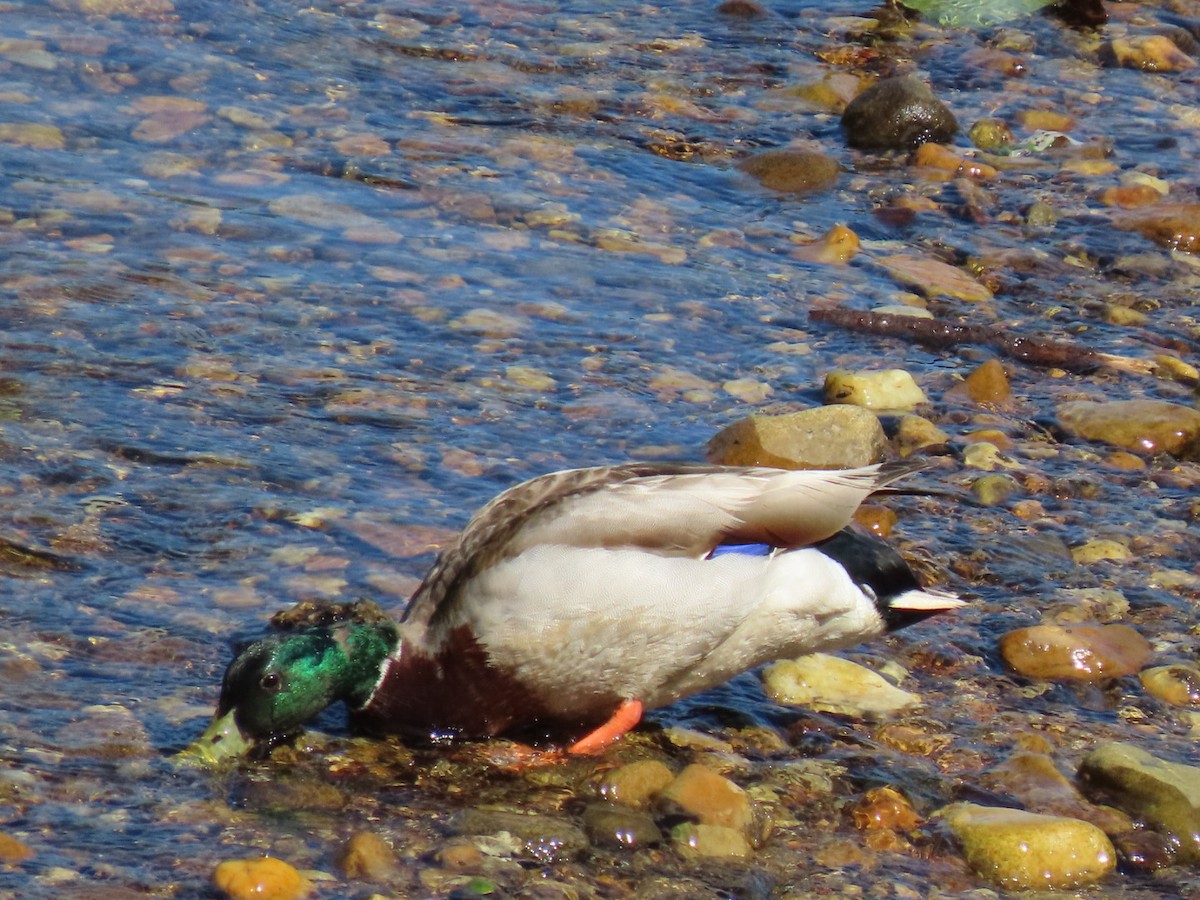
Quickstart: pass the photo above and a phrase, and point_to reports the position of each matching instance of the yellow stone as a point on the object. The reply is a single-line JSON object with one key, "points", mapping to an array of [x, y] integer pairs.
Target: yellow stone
{"points": [[636, 783], [260, 879], [1019, 850]]}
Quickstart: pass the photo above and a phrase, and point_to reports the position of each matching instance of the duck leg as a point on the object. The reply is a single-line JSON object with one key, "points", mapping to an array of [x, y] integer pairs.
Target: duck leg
{"points": [[627, 715]]}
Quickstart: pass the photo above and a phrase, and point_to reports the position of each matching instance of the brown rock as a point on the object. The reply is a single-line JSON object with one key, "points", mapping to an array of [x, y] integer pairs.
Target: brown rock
{"points": [[1149, 52], [792, 171], [1033, 779], [368, 857], [13, 850], [709, 796], [988, 384], [836, 246], [1175, 226], [1080, 652], [1178, 685], [635, 783], [459, 855], [885, 807], [897, 114], [1143, 426]]}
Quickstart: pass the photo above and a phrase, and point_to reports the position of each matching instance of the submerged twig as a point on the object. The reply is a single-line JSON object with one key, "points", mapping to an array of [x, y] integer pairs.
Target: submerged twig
{"points": [[937, 333]]}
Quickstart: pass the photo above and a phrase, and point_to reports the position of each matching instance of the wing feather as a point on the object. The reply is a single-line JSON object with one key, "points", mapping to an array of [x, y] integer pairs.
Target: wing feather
{"points": [[667, 509]]}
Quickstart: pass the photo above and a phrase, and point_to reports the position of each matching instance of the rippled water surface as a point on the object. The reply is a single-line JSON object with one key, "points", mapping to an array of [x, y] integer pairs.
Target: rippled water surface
{"points": [[287, 291]]}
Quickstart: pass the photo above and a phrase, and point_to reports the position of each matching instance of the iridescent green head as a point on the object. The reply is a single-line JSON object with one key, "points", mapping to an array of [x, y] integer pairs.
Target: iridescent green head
{"points": [[279, 683]]}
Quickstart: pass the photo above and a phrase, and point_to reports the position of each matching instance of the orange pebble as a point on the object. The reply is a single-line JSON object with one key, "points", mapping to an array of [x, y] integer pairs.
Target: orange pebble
{"points": [[265, 878]]}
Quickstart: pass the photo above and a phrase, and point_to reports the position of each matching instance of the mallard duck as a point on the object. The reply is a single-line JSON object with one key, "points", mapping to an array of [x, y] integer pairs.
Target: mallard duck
{"points": [[573, 602]]}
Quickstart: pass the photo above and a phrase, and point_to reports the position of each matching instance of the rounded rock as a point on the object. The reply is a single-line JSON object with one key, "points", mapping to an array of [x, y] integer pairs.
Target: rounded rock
{"points": [[264, 878], [368, 857], [713, 841], [827, 683], [897, 114], [1077, 652], [635, 783], [1165, 795], [1020, 850], [792, 171], [616, 826], [1178, 685], [710, 797], [1143, 426]]}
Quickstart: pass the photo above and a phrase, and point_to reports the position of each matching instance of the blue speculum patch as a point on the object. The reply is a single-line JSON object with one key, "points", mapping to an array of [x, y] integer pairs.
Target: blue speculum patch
{"points": [[743, 549]]}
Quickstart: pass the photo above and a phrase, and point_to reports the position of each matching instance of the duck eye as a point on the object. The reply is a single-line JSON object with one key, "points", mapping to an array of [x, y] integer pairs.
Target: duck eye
{"points": [[271, 682]]}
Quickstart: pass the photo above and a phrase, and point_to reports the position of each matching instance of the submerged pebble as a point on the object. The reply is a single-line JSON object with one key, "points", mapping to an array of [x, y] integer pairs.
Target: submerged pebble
{"points": [[1078, 652], [635, 783], [1178, 685], [710, 797], [1023, 851], [611, 825], [1143, 426], [368, 857], [713, 841], [799, 172], [1035, 780]]}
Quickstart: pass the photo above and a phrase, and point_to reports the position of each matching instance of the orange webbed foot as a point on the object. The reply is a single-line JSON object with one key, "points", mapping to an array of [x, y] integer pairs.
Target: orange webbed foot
{"points": [[626, 716]]}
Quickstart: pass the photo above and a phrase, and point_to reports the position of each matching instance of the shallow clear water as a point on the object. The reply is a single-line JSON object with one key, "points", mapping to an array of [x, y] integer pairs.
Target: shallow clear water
{"points": [[287, 292]]}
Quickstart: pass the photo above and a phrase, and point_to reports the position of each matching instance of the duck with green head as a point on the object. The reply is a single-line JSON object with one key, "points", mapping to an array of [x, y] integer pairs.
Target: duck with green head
{"points": [[573, 602]]}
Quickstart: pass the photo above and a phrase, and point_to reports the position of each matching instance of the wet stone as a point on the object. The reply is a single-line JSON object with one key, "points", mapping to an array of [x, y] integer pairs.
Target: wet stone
{"points": [[1165, 795], [616, 826], [1144, 851], [885, 808], [710, 797], [831, 684], [265, 878], [1032, 778], [988, 384], [13, 850], [1143, 426], [544, 837], [882, 389], [897, 114], [835, 247], [1149, 52], [992, 490], [1175, 226], [991, 134], [792, 171], [368, 857], [711, 841], [1098, 550], [1077, 652], [459, 855], [635, 783], [821, 438], [918, 433], [1178, 685], [1018, 850]]}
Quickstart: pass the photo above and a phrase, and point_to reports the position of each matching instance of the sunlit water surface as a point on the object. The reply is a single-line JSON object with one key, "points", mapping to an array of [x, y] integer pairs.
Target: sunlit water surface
{"points": [[287, 291]]}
